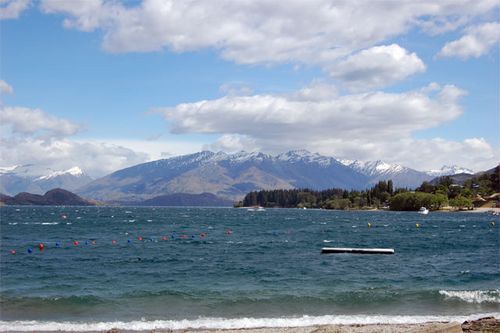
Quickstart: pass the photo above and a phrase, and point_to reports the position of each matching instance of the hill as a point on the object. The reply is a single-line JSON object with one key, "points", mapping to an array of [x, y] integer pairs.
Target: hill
{"points": [[55, 197]]}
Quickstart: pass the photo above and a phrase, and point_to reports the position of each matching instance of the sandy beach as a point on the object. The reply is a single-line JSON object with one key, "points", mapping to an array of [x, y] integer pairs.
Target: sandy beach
{"points": [[487, 325], [477, 325], [484, 210]]}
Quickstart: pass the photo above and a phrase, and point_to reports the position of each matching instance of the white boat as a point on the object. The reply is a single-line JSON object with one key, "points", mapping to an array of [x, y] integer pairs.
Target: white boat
{"points": [[256, 209], [423, 211]]}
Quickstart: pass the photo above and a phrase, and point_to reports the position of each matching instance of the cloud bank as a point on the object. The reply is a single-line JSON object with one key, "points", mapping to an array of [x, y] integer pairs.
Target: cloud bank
{"points": [[259, 31]]}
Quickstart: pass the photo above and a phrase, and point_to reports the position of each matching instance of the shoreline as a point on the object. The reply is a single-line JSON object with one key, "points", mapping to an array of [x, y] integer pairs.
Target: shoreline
{"points": [[456, 324], [428, 327]]}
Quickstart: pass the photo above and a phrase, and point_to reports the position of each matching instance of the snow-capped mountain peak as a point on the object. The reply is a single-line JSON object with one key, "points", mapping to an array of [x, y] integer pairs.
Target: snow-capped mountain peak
{"points": [[372, 168], [449, 170], [74, 171]]}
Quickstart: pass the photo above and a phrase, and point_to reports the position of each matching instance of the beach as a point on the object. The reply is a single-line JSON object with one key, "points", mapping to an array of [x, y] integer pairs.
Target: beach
{"points": [[489, 324]]}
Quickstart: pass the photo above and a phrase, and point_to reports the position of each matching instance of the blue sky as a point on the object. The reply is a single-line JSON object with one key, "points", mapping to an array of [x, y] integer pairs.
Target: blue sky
{"points": [[104, 85]]}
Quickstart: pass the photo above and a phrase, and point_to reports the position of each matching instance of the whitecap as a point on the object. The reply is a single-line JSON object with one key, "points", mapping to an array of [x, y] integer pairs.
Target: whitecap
{"points": [[473, 296]]}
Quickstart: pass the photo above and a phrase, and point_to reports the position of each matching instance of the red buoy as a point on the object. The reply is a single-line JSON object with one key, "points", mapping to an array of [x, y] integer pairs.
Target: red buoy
{"points": [[164, 238], [75, 243], [139, 238], [113, 242], [41, 246], [12, 251]]}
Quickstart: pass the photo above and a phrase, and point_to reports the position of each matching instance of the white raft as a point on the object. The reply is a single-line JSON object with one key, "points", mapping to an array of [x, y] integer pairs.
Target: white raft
{"points": [[356, 250]]}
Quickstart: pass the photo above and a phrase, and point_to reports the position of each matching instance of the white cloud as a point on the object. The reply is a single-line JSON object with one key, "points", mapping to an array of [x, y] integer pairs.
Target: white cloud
{"points": [[372, 116], [420, 154], [35, 122], [377, 67], [233, 143], [11, 9], [476, 41], [86, 13], [259, 31], [95, 158], [156, 149], [5, 88]]}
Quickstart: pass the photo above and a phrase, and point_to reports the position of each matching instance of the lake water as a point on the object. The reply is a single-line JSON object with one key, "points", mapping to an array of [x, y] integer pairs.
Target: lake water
{"points": [[146, 268]]}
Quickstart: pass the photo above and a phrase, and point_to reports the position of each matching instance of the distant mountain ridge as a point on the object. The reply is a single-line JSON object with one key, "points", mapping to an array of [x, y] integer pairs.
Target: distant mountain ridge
{"points": [[185, 199], [30, 178], [228, 176], [449, 170], [379, 170]]}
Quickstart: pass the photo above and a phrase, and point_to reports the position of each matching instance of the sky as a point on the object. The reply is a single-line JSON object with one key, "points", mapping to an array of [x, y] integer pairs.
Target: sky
{"points": [[104, 85]]}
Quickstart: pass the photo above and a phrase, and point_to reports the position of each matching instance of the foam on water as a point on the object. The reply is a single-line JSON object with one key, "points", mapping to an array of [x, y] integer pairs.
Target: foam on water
{"points": [[473, 296], [233, 323]]}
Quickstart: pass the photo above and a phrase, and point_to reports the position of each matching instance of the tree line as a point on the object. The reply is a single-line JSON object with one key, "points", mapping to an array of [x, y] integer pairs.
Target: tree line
{"points": [[382, 195]]}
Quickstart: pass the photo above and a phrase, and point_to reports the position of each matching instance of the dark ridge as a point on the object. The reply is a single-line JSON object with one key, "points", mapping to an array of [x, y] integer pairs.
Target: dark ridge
{"points": [[54, 197], [185, 199]]}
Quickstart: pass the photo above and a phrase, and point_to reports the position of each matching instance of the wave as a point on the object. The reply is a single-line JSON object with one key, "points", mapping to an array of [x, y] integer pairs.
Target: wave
{"points": [[473, 296], [231, 323]]}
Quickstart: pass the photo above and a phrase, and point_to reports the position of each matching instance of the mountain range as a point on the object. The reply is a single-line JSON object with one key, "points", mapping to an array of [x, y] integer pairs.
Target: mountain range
{"points": [[30, 178], [231, 176], [227, 176]]}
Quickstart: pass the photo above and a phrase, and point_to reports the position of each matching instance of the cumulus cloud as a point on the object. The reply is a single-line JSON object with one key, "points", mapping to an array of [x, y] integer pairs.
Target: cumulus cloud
{"points": [[311, 116], [35, 122], [5, 88], [377, 67], [476, 41], [259, 31], [11, 9]]}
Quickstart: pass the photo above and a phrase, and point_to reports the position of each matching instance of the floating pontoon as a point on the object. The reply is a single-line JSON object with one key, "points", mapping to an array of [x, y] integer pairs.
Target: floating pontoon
{"points": [[356, 250]]}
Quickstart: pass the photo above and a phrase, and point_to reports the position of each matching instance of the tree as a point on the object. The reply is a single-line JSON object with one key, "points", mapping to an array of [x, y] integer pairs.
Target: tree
{"points": [[461, 203]]}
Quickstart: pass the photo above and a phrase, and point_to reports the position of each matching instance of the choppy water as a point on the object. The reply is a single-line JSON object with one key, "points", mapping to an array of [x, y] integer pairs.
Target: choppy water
{"points": [[202, 267]]}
